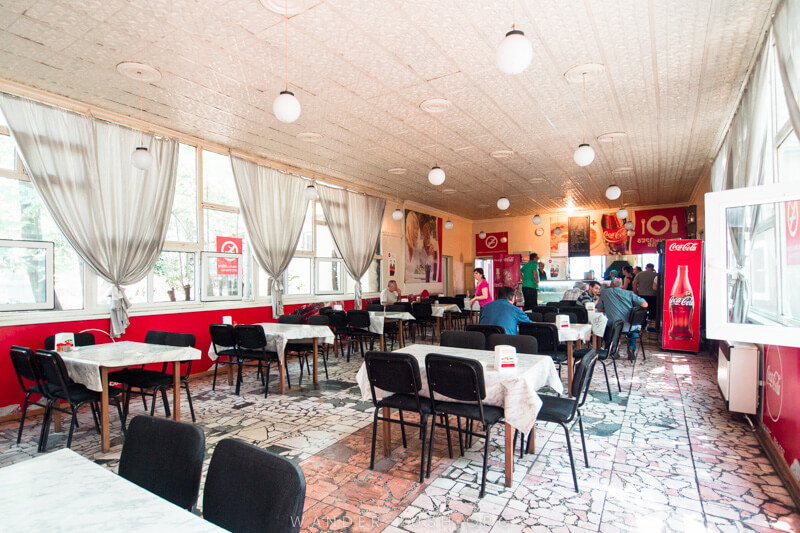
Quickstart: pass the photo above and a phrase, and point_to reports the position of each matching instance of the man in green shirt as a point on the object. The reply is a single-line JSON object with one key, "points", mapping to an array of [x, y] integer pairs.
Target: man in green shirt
{"points": [[530, 281]]}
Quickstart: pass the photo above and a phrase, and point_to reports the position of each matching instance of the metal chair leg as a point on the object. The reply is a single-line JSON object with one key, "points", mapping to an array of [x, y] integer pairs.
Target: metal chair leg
{"points": [[22, 419], [571, 458]]}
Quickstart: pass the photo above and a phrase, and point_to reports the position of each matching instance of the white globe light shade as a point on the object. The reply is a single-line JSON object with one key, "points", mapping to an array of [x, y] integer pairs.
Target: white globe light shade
{"points": [[613, 192], [584, 155], [629, 225], [448, 224], [537, 219], [514, 53], [631, 233], [310, 193], [503, 240], [622, 213], [436, 176], [286, 107], [482, 235], [503, 203], [397, 214], [557, 231], [141, 158]]}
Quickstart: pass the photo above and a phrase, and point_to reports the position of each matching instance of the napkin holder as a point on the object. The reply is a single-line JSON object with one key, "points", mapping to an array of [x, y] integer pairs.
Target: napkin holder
{"points": [[590, 306], [562, 321], [505, 357], [64, 342], [227, 319]]}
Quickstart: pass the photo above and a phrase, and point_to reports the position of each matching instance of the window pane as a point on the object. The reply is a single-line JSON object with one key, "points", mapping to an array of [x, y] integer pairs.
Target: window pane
{"points": [[136, 293], [24, 216], [183, 222], [789, 159], [221, 224], [218, 184], [222, 278], [173, 277], [306, 241], [23, 275], [325, 245], [298, 276], [264, 283], [370, 281], [329, 276], [7, 152], [319, 216]]}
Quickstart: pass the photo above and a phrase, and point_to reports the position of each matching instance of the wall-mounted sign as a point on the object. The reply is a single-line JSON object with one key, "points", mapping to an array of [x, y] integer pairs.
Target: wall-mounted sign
{"points": [[579, 235], [228, 245], [493, 244], [655, 225]]}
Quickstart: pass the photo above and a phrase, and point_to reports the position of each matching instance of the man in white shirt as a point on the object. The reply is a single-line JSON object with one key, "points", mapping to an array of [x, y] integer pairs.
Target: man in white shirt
{"points": [[390, 294]]}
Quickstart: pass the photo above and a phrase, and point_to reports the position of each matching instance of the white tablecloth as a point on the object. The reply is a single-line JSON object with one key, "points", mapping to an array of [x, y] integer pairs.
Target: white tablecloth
{"points": [[378, 318], [598, 321], [83, 363], [512, 389], [62, 491], [278, 335], [440, 309], [475, 307], [575, 332]]}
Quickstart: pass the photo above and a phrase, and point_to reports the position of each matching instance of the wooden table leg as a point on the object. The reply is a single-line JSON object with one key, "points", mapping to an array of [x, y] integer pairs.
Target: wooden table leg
{"points": [[400, 327], [282, 375], [383, 343], [509, 454], [230, 372], [570, 345], [176, 390], [316, 355], [104, 410], [387, 433], [57, 426]]}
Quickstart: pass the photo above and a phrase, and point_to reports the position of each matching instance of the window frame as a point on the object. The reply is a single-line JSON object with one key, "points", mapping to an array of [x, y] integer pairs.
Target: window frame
{"points": [[49, 284]]}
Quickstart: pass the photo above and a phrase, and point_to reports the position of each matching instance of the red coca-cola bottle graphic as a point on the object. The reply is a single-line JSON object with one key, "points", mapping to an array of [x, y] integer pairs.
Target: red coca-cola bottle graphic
{"points": [[681, 306], [615, 234]]}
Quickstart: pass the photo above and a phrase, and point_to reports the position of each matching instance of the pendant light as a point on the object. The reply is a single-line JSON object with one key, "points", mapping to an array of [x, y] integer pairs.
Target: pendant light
{"points": [[141, 158], [584, 155], [515, 51], [448, 225], [613, 192], [311, 192], [557, 231], [503, 203], [629, 225], [482, 235], [537, 219], [397, 214], [436, 176], [622, 213], [286, 106]]}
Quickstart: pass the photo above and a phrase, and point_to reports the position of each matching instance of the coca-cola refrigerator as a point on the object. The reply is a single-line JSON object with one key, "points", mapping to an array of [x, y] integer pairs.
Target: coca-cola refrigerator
{"points": [[681, 294]]}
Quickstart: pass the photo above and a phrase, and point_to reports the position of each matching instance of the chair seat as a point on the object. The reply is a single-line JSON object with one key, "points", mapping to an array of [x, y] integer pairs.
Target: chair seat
{"points": [[144, 379], [299, 346], [602, 355], [556, 409], [468, 410], [80, 394], [558, 357], [355, 332], [258, 354], [406, 402], [229, 352]]}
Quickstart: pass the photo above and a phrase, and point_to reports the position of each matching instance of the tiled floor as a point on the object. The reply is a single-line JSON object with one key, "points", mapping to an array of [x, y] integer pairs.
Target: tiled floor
{"points": [[664, 455]]}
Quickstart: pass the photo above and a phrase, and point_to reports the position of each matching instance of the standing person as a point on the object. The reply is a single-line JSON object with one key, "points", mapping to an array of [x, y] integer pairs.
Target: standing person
{"points": [[530, 281], [542, 273], [617, 304], [502, 312], [644, 286], [627, 278], [390, 294], [482, 293]]}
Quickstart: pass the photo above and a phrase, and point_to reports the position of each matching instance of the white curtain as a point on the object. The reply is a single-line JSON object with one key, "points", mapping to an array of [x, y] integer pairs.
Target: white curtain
{"points": [[113, 215], [274, 209], [786, 30], [355, 222]]}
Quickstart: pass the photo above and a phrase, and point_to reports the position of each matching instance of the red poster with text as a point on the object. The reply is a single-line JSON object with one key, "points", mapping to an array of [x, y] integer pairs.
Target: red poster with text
{"points": [[683, 294], [493, 244], [781, 416], [655, 225], [228, 245], [793, 233]]}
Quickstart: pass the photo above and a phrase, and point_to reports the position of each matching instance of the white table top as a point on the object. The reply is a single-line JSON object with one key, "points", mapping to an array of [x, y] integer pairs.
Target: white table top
{"points": [[598, 321], [62, 491], [441, 309], [378, 318], [575, 332], [278, 335], [512, 389], [83, 363]]}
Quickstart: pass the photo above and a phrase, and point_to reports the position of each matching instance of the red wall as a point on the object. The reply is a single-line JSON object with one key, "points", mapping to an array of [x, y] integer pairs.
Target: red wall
{"points": [[33, 335], [781, 409]]}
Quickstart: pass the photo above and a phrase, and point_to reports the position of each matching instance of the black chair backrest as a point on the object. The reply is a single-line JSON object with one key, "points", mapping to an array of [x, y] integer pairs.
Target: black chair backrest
{"points": [[535, 317], [338, 319], [486, 329], [542, 309], [325, 310], [397, 373], [461, 296], [471, 340], [426, 300], [611, 335], [523, 343], [165, 457], [52, 371], [549, 317], [22, 359], [552, 304], [403, 307], [290, 319], [252, 490], [373, 307], [169, 338], [318, 320], [581, 315], [458, 378], [222, 335], [81, 339], [358, 319], [583, 377], [546, 335], [422, 310], [448, 300], [638, 317], [250, 336], [398, 308]]}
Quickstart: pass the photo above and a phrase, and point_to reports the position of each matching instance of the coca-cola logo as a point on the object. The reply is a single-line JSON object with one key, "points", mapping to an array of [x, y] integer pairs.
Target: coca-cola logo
{"points": [[616, 235], [686, 301], [773, 374], [683, 246]]}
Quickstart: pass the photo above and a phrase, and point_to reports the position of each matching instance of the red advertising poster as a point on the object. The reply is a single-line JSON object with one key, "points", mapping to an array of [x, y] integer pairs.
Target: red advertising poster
{"points": [[793, 233], [781, 415], [683, 293], [228, 245], [654, 225], [494, 244], [506, 273]]}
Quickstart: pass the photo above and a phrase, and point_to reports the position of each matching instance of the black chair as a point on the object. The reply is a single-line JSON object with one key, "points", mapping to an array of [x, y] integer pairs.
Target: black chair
{"points": [[81, 339], [397, 374], [542, 309], [546, 336], [373, 307], [325, 310], [404, 307], [305, 347], [487, 330], [358, 330], [29, 382], [460, 317], [165, 457], [423, 316], [57, 385], [581, 314], [252, 344], [638, 317], [562, 410], [471, 340], [523, 343], [341, 331], [460, 379], [550, 318], [535, 316], [223, 340], [157, 381], [290, 319], [611, 351], [250, 490], [552, 304]]}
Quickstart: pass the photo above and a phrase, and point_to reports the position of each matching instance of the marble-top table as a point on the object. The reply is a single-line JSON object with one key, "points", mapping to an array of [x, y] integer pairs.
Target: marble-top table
{"points": [[63, 491], [377, 319]]}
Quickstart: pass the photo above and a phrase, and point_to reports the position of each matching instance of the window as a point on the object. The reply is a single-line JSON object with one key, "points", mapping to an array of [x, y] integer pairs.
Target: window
{"points": [[26, 275], [330, 274], [222, 276], [136, 293], [370, 281], [298, 276], [174, 277], [183, 222], [579, 266], [218, 183]]}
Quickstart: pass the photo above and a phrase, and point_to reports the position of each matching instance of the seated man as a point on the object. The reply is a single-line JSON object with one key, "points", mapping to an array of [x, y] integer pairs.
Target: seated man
{"points": [[592, 294], [574, 293], [390, 294], [617, 304], [502, 312]]}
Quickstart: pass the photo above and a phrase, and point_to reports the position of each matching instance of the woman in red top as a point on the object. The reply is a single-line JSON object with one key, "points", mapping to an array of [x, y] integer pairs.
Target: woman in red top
{"points": [[482, 293]]}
